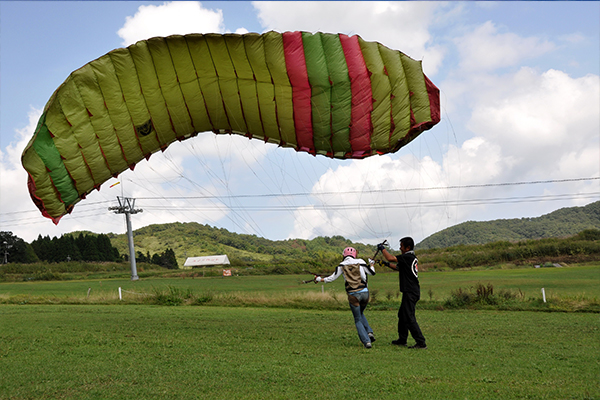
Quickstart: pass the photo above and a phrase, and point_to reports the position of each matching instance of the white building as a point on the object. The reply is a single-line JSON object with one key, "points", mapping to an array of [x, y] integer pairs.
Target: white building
{"points": [[206, 261]]}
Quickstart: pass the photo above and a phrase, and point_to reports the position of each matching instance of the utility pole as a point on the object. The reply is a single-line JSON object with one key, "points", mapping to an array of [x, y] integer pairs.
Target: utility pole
{"points": [[127, 206], [6, 253]]}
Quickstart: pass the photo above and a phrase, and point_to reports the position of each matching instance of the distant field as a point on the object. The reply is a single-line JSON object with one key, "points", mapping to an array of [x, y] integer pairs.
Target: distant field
{"points": [[152, 352], [581, 280]]}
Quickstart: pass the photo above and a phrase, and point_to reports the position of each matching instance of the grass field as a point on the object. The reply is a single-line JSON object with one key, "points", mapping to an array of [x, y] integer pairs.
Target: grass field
{"points": [[570, 282], [113, 349], [151, 352]]}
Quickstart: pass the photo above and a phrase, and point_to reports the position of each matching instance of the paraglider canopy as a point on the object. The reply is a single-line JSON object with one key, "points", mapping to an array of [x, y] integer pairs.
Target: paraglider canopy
{"points": [[326, 94]]}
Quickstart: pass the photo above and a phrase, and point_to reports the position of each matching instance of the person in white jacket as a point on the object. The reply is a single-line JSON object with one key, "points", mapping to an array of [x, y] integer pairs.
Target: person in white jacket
{"points": [[355, 271]]}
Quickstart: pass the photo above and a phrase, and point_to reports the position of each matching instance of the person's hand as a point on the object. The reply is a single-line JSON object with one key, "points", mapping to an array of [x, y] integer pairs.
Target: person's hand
{"points": [[381, 262], [318, 279], [380, 247], [371, 262]]}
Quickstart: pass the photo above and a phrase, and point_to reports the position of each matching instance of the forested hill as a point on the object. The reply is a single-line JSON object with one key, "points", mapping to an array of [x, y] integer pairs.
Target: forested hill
{"points": [[193, 240], [559, 223]]}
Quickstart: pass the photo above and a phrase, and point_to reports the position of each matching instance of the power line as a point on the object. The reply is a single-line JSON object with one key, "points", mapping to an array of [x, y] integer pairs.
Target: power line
{"points": [[18, 215], [372, 206], [373, 191]]}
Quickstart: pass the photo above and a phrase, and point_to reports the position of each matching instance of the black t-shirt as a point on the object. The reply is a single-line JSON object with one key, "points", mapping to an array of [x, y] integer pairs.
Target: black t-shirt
{"points": [[408, 270]]}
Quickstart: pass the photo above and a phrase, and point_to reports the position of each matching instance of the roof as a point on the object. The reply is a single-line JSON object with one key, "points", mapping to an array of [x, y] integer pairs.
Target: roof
{"points": [[206, 260]]}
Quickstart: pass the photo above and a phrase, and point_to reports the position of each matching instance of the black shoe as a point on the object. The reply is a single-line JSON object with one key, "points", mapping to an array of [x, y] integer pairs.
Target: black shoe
{"points": [[398, 342], [418, 346], [368, 345], [372, 337]]}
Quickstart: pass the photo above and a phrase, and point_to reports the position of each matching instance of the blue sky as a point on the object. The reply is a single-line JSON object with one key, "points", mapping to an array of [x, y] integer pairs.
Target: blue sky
{"points": [[520, 103]]}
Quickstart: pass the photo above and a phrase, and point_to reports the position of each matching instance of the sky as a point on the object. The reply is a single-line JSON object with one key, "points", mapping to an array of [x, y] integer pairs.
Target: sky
{"points": [[519, 135]]}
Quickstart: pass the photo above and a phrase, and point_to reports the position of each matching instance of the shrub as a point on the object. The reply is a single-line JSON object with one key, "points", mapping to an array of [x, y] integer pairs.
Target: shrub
{"points": [[392, 294], [171, 297], [203, 298], [588, 234], [459, 298], [484, 293], [479, 294], [373, 295]]}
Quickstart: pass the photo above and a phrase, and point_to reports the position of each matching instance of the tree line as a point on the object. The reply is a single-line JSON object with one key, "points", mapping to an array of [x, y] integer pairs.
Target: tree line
{"points": [[166, 259], [82, 247], [72, 247]]}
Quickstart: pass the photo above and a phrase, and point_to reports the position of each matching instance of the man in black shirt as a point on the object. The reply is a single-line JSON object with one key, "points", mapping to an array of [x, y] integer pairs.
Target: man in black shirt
{"points": [[407, 266]]}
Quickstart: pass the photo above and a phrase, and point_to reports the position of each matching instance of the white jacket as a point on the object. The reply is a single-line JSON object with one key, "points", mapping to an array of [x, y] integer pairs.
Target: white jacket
{"points": [[355, 271]]}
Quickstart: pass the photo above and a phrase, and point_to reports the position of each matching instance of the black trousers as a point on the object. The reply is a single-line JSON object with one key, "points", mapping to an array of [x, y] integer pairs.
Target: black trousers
{"points": [[407, 322]]}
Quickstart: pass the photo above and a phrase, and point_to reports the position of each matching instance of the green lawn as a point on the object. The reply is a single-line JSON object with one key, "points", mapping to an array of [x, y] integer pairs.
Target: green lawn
{"points": [[568, 281], [123, 350], [153, 352], [577, 281]]}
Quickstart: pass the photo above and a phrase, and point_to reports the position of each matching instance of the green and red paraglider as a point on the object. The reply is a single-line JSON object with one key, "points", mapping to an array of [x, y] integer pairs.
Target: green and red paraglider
{"points": [[326, 94]]}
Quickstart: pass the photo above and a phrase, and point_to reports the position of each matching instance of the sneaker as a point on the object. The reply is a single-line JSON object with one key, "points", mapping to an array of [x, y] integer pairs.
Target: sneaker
{"points": [[418, 346], [368, 345], [372, 337], [398, 342]]}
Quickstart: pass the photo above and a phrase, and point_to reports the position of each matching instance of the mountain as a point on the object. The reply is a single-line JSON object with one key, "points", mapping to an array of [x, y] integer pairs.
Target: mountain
{"points": [[193, 240], [559, 223]]}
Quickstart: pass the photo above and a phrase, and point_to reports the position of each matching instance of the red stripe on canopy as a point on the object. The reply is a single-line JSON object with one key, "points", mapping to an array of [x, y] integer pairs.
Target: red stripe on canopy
{"points": [[301, 91], [362, 97], [434, 107], [434, 101]]}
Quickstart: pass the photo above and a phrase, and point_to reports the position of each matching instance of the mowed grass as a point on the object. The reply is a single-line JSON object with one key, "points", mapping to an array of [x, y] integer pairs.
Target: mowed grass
{"points": [[122, 350], [583, 281], [154, 352]]}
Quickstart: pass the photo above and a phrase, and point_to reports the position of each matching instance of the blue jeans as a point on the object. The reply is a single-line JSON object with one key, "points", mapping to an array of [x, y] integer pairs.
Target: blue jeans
{"points": [[358, 303]]}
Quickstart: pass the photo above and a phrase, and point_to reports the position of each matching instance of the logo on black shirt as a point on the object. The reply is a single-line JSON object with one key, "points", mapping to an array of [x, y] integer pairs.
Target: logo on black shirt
{"points": [[415, 268]]}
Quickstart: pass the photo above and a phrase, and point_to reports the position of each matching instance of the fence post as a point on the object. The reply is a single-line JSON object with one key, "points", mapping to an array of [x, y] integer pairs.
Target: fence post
{"points": [[544, 294], [120, 295]]}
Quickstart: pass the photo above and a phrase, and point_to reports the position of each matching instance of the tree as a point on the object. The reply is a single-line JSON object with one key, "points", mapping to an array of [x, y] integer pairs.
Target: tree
{"points": [[71, 248], [156, 259], [141, 257], [88, 247], [106, 251], [169, 259], [41, 246], [166, 259], [16, 249], [67, 249]]}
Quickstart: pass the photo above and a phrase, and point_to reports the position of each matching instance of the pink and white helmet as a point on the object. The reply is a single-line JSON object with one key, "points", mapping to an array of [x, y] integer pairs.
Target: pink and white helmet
{"points": [[349, 251]]}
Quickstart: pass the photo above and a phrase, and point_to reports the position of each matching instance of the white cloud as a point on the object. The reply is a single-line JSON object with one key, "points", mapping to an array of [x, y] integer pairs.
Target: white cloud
{"points": [[488, 49], [365, 208], [169, 19], [15, 201], [11, 159], [542, 118], [399, 25], [539, 126], [14, 177], [573, 38]]}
